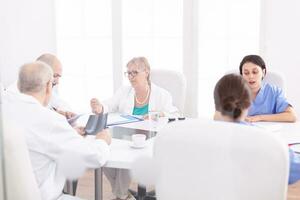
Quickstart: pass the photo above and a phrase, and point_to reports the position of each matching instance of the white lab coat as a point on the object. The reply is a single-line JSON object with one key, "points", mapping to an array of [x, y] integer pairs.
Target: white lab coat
{"points": [[49, 136], [123, 101], [57, 102]]}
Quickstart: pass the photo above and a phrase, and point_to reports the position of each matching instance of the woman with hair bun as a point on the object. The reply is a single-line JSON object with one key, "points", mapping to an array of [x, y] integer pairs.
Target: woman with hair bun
{"points": [[232, 97]]}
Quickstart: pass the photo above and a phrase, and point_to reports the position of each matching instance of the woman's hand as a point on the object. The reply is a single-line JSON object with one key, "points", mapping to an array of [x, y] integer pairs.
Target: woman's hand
{"points": [[255, 118], [96, 106], [153, 115]]}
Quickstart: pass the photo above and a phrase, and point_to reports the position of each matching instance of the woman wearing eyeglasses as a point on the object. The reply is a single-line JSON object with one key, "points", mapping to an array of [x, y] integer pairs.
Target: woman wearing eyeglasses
{"points": [[139, 98], [232, 96], [268, 101]]}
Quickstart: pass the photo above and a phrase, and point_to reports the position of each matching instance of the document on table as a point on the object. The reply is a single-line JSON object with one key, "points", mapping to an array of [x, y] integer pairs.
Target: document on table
{"points": [[272, 127], [117, 119]]}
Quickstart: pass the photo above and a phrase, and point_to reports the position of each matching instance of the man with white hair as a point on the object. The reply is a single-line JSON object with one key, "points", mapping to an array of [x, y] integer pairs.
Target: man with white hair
{"points": [[49, 137]]}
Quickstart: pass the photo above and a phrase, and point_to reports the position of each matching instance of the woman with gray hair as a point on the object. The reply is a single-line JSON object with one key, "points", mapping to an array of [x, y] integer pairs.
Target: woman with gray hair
{"points": [[139, 98]]}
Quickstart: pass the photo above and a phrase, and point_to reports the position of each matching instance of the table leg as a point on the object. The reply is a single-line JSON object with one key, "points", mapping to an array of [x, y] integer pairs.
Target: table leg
{"points": [[98, 184], [68, 188]]}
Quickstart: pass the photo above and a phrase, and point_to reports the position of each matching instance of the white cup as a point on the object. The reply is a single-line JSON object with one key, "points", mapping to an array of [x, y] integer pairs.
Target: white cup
{"points": [[138, 140]]}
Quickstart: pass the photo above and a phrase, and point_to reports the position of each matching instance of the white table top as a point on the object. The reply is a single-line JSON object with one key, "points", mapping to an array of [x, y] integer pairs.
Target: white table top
{"points": [[122, 155], [290, 132]]}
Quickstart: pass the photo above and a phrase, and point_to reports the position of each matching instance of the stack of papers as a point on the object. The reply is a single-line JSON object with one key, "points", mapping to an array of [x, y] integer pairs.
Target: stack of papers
{"points": [[117, 119], [272, 127]]}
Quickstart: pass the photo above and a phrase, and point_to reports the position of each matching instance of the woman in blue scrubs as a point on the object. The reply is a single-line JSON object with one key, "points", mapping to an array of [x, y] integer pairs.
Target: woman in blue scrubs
{"points": [[232, 97], [268, 101]]}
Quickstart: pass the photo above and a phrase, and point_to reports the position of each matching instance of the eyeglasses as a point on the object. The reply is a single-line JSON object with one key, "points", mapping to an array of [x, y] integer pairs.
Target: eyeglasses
{"points": [[131, 73]]}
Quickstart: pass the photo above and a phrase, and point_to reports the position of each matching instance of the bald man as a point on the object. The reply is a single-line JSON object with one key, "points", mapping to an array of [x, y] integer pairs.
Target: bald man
{"points": [[48, 135], [56, 103]]}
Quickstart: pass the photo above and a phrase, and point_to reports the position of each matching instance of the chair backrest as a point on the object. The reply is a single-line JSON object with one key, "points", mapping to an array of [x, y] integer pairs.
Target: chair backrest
{"points": [[174, 82], [272, 77], [197, 159], [20, 182], [275, 78]]}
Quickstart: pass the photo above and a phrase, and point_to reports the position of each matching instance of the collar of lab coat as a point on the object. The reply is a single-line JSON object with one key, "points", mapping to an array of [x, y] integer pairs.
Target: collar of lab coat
{"points": [[28, 99]]}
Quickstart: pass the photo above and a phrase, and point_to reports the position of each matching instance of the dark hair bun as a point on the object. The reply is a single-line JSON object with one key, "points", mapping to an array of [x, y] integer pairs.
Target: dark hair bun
{"points": [[230, 107], [228, 104], [232, 95], [237, 113]]}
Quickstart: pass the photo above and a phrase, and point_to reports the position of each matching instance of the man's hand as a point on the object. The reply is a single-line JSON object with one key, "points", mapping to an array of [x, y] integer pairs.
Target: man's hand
{"points": [[104, 135], [67, 114], [80, 130], [96, 106]]}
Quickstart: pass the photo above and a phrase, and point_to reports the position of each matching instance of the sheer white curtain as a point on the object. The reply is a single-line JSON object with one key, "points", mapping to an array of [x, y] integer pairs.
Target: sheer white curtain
{"points": [[2, 171], [201, 38], [84, 45], [96, 38], [153, 29], [228, 30]]}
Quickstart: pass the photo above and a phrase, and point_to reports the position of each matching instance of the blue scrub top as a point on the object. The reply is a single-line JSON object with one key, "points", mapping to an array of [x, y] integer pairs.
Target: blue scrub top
{"points": [[294, 167], [269, 100]]}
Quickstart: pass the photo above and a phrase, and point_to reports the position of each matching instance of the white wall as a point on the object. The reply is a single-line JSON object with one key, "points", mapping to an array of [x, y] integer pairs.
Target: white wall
{"points": [[27, 29], [280, 43]]}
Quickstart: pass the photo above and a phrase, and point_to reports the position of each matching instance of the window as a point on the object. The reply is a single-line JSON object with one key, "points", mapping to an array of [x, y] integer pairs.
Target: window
{"points": [[228, 30], [153, 29], [88, 48], [96, 39], [84, 46]]}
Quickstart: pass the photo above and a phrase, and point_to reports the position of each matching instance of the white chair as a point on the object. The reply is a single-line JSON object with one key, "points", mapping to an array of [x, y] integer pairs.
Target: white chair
{"points": [[20, 182], [1, 87], [174, 82], [272, 77], [275, 78], [209, 160]]}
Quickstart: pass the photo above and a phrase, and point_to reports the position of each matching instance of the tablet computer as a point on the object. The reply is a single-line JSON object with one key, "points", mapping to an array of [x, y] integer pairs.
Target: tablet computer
{"points": [[126, 133]]}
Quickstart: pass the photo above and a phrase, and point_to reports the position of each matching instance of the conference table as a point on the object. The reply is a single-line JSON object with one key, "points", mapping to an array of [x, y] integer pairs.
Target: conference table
{"points": [[122, 155]]}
